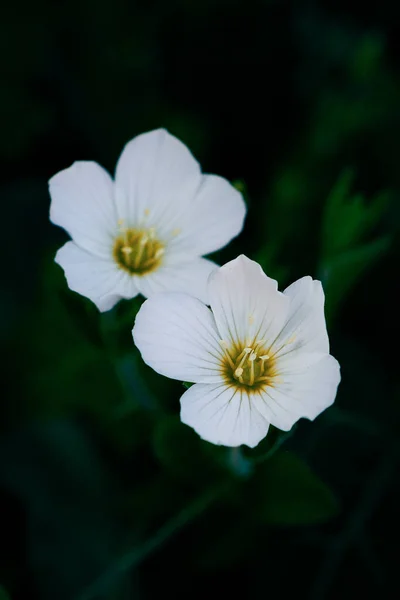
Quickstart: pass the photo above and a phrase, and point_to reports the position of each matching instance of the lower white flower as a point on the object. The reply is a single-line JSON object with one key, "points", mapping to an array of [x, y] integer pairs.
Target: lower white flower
{"points": [[258, 357], [147, 230]]}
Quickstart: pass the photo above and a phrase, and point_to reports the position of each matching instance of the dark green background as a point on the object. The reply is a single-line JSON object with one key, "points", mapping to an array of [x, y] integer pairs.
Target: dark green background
{"points": [[298, 103]]}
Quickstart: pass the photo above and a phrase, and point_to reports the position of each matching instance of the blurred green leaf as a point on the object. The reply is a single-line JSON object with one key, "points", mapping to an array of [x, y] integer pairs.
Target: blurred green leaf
{"points": [[348, 218], [187, 384], [333, 208], [226, 540], [3, 594], [367, 58], [54, 470], [339, 274], [267, 258], [291, 494], [84, 314], [185, 454], [145, 501]]}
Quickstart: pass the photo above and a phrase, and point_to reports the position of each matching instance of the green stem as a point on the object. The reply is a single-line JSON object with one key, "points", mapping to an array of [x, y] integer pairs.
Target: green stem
{"points": [[283, 438]]}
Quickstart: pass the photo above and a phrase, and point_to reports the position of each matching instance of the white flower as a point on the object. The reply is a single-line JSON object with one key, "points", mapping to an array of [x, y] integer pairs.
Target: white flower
{"points": [[258, 357], [146, 231]]}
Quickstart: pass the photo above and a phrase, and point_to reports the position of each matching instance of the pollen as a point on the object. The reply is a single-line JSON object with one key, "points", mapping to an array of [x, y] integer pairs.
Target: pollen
{"points": [[138, 251], [249, 366]]}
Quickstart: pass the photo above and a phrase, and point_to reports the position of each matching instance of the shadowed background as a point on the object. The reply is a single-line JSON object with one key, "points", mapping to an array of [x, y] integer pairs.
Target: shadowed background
{"points": [[103, 493]]}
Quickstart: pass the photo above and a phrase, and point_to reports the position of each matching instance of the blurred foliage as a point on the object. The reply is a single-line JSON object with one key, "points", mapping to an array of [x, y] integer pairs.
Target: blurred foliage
{"points": [[346, 222], [104, 493]]}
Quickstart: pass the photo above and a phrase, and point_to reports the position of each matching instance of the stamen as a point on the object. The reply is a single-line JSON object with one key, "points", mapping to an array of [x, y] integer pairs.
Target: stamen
{"points": [[242, 356], [137, 251], [252, 368], [263, 359], [248, 366], [159, 252], [224, 345]]}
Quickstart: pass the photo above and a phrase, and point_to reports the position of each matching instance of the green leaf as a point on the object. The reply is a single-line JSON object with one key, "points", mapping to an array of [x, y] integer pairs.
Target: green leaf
{"points": [[226, 540], [349, 218], [180, 450], [339, 274], [367, 58], [291, 494], [56, 472], [84, 314], [3, 594], [267, 258]]}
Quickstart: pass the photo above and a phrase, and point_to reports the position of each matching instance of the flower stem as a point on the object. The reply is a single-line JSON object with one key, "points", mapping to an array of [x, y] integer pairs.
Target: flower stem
{"points": [[283, 438]]}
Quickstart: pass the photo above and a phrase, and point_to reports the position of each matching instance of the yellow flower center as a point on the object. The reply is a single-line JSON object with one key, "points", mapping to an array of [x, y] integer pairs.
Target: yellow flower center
{"points": [[138, 251], [248, 366]]}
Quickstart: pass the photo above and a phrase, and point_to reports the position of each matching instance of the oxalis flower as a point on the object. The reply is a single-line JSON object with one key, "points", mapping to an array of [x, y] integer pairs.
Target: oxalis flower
{"points": [[146, 231], [257, 357]]}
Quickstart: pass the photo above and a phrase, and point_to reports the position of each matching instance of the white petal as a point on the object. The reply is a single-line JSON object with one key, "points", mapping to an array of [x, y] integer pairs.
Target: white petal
{"points": [[223, 415], [189, 277], [99, 280], [82, 203], [305, 327], [303, 391], [245, 302], [177, 337], [214, 216], [156, 175]]}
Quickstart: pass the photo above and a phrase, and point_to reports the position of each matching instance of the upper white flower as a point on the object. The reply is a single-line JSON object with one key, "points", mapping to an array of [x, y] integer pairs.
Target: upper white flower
{"points": [[146, 231], [258, 357]]}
